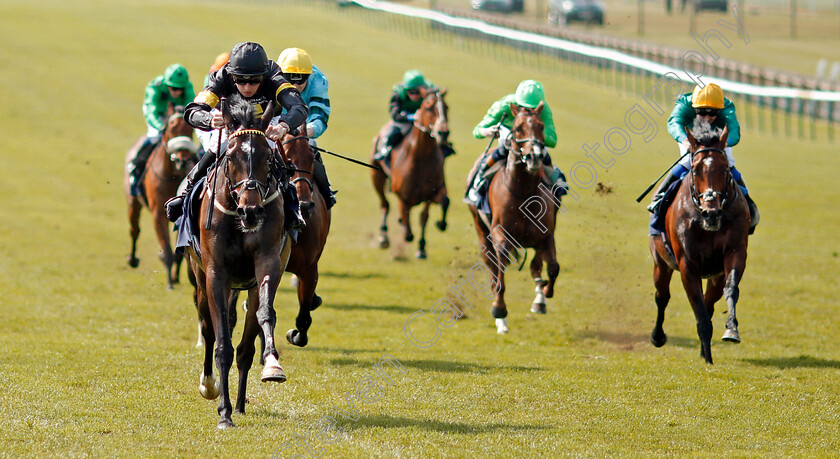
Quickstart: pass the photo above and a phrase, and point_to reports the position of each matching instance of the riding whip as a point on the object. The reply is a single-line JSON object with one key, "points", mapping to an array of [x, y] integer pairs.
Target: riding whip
{"points": [[647, 190], [216, 170], [350, 159]]}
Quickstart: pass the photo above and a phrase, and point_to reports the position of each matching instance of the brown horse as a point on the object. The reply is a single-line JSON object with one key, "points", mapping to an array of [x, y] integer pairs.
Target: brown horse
{"points": [[307, 250], [511, 189], [706, 229], [164, 171], [245, 247], [417, 169]]}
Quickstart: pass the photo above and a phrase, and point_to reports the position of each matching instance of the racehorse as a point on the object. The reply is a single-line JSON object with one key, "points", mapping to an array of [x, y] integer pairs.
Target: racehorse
{"points": [[164, 171], [705, 237], [416, 170], [509, 228], [245, 247], [307, 250]]}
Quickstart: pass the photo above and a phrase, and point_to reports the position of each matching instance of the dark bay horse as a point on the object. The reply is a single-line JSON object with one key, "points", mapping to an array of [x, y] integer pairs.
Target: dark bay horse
{"points": [[164, 171], [706, 229], [245, 247], [307, 250], [509, 228], [416, 171]]}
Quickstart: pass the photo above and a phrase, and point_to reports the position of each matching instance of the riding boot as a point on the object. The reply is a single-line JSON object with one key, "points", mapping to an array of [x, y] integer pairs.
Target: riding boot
{"points": [[291, 209], [660, 193], [477, 181], [556, 180], [754, 216], [319, 174], [175, 204], [138, 164], [383, 154]]}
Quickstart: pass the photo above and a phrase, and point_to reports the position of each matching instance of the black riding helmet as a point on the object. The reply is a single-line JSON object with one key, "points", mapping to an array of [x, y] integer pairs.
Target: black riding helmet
{"points": [[247, 59]]}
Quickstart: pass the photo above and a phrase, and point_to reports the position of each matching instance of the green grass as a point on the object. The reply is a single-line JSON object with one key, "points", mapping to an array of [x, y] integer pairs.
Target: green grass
{"points": [[98, 359]]}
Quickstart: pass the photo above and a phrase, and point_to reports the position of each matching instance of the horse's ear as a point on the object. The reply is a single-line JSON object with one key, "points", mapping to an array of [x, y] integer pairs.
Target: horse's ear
{"points": [[724, 136], [691, 140], [514, 109], [539, 108], [442, 92], [267, 115]]}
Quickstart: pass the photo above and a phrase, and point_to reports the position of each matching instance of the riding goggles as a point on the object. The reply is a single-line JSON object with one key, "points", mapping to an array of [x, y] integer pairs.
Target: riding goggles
{"points": [[706, 111], [412, 92], [297, 78], [257, 79]]}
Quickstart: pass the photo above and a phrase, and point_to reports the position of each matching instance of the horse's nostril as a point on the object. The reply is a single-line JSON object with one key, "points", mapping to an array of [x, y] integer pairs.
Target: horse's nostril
{"points": [[260, 212]]}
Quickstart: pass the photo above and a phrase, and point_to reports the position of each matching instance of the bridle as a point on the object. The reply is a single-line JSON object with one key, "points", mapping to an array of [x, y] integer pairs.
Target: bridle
{"points": [[435, 128], [249, 183], [294, 168], [710, 194], [516, 145]]}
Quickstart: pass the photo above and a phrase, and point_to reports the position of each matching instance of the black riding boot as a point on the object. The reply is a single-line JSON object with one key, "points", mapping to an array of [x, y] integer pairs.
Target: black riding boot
{"points": [[175, 205], [138, 164], [319, 175], [660, 193], [754, 216]]}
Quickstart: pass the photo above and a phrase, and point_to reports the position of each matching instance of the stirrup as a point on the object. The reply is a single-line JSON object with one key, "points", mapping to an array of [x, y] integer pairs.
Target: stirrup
{"points": [[653, 207], [174, 208]]}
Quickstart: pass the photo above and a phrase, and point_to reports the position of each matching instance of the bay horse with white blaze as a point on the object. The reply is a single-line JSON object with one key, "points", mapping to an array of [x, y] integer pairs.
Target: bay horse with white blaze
{"points": [[416, 170], [168, 164], [508, 228], [245, 247], [706, 233]]}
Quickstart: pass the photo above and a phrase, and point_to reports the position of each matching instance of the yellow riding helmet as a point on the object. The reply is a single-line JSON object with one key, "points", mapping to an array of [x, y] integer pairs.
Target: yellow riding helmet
{"points": [[295, 60], [709, 96]]}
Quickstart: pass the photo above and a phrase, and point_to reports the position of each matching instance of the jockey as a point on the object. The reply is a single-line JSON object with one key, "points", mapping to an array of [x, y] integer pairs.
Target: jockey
{"points": [[312, 84], [173, 86], [258, 80], [706, 102], [406, 99], [528, 94], [220, 62]]}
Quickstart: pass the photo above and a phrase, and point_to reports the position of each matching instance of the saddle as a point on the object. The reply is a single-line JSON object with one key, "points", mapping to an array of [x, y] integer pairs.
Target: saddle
{"points": [[187, 224]]}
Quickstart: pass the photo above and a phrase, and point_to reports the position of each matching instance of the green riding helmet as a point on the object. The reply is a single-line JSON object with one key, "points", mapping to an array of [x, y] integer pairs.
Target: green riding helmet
{"points": [[413, 79], [176, 76], [529, 94]]}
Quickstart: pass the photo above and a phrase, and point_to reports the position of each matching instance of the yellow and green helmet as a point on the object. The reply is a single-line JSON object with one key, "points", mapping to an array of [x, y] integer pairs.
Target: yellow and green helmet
{"points": [[529, 94], [176, 76]]}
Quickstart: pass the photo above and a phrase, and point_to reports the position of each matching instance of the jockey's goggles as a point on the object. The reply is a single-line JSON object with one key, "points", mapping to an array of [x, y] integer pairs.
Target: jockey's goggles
{"points": [[297, 78], [413, 92], [706, 111], [256, 79]]}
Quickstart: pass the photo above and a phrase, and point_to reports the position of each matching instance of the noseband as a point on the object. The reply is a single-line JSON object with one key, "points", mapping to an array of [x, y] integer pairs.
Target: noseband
{"points": [[710, 195]]}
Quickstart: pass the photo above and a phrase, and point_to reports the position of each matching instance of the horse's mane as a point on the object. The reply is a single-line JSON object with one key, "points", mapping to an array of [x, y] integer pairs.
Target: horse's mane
{"points": [[241, 112], [705, 133]]}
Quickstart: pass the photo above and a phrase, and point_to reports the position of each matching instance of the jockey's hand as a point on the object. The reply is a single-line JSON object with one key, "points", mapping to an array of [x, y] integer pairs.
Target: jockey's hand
{"points": [[685, 145], [218, 120], [489, 131], [277, 131], [309, 131]]}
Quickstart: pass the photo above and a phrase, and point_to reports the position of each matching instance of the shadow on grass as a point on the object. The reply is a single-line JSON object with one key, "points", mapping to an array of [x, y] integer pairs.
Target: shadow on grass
{"points": [[350, 275], [437, 426], [629, 341], [439, 365], [342, 350], [373, 307], [802, 361]]}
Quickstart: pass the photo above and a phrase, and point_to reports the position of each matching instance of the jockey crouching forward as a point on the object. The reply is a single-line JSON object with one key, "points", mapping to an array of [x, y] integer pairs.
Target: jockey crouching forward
{"points": [[709, 103], [499, 120], [313, 86], [257, 80], [406, 99], [172, 87]]}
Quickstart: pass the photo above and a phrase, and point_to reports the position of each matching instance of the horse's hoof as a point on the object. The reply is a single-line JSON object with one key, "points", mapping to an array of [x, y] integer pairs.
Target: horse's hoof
{"points": [[170, 287], [658, 341], [208, 387], [501, 326], [297, 338], [225, 424], [409, 237], [441, 225], [294, 281], [538, 308], [383, 242], [316, 301], [133, 261], [731, 336], [273, 373], [421, 255]]}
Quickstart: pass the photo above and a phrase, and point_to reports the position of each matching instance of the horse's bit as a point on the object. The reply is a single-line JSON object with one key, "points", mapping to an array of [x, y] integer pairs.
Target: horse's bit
{"points": [[710, 195]]}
